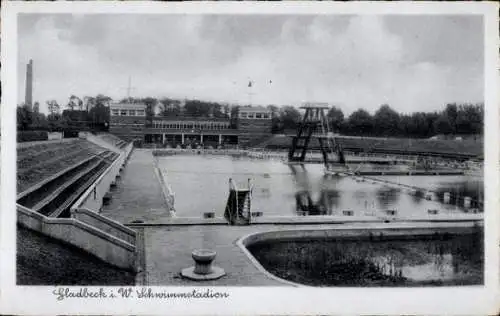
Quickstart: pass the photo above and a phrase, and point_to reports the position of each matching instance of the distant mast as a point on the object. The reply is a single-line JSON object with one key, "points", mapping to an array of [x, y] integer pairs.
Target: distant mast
{"points": [[28, 98], [250, 93], [129, 88]]}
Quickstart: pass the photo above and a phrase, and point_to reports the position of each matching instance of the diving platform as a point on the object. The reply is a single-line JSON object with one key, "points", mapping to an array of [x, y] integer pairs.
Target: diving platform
{"points": [[238, 206], [315, 124]]}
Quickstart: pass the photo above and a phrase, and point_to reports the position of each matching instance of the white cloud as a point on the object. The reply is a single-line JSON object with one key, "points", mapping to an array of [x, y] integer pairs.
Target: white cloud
{"points": [[351, 61]]}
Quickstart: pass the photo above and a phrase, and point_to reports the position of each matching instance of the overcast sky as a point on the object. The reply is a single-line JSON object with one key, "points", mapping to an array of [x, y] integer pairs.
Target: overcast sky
{"points": [[409, 62]]}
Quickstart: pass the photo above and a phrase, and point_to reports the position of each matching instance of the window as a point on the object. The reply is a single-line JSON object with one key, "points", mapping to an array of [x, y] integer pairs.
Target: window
{"points": [[243, 115], [115, 112], [131, 112], [250, 115], [258, 115], [140, 113], [123, 113], [266, 115]]}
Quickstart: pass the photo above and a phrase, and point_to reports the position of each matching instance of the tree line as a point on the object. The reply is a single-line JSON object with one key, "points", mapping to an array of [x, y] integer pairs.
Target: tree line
{"points": [[455, 119], [93, 112], [88, 113]]}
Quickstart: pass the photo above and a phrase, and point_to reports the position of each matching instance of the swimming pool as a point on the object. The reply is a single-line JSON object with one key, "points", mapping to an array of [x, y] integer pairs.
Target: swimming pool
{"points": [[200, 184]]}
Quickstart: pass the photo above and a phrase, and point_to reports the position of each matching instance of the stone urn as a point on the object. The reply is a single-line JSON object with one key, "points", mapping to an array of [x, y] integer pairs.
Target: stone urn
{"points": [[203, 269], [203, 259]]}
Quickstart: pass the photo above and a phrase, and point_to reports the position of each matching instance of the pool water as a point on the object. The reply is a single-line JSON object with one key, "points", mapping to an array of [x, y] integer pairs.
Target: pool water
{"points": [[200, 184], [433, 261]]}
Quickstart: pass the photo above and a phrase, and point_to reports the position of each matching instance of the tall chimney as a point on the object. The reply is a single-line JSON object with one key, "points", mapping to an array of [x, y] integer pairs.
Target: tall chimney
{"points": [[28, 100]]}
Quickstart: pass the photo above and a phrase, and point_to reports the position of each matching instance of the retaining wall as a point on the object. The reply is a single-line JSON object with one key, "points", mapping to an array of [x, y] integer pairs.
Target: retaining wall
{"points": [[101, 142], [105, 224], [72, 231]]}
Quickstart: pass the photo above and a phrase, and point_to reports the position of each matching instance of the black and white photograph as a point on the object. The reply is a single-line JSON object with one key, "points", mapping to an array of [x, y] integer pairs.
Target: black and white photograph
{"points": [[257, 151]]}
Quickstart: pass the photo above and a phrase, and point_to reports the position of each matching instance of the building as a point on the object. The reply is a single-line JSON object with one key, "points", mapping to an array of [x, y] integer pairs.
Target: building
{"points": [[194, 131], [129, 122], [254, 123]]}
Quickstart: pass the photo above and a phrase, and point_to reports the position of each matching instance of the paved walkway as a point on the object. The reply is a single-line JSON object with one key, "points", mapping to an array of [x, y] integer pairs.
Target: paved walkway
{"points": [[168, 248], [138, 195], [168, 251]]}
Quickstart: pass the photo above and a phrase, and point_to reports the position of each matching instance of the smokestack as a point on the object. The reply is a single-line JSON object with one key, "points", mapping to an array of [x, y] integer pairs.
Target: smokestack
{"points": [[28, 100]]}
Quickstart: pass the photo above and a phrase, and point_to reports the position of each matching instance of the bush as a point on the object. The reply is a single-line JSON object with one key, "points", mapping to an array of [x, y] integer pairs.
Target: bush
{"points": [[31, 136]]}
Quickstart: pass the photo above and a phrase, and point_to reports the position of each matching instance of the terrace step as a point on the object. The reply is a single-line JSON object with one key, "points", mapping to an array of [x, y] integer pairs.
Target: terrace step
{"points": [[38, 185], [74, 191], [51, 153], [65, 185]]}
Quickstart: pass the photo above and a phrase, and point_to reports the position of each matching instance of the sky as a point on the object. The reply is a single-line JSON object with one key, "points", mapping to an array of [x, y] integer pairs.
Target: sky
{"points": [[413, 63]]}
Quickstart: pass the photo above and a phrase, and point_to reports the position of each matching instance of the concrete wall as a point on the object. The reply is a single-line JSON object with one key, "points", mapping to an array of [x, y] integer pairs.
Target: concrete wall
{"points": [[168, 194], [101, 142], [105, 224], [55, 136], [88, 238], [93, 197], [382, 232]]}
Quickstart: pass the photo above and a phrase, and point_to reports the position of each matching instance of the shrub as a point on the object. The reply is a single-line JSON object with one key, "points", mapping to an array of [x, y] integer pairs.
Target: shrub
{"points": [[31, 136]]}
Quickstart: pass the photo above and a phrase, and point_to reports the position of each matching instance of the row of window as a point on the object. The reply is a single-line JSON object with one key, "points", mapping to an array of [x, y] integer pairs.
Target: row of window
{"points": [[197, 125], [125, 124], [118, 112], [255, 115]]}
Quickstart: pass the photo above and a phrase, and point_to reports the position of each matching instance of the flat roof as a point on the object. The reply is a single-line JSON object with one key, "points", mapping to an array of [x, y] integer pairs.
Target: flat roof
{"points": [[257, 108], [131, 106], [191, 118]]}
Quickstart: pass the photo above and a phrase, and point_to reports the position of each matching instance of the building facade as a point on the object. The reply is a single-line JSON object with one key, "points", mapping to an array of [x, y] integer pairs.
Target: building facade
{"points": [[254, 124], [129, 122]]}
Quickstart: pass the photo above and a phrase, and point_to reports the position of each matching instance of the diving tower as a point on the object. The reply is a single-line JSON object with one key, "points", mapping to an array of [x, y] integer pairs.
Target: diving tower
{"points": [[315, 124]]}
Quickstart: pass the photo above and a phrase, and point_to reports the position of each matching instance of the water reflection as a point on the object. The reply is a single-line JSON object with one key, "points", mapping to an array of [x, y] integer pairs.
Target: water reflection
{"points": [[307, 201], [281, 190], [387, 197], [432, 260]]}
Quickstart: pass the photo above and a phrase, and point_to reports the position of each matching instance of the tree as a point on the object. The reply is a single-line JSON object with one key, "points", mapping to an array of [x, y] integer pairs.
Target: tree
{"points": [[289, 117], [24, 117], [360, 122], [74, 102], [386, 121], [276, 125], [170, 107], [89, 102], [335, 118], [150, 109], [36, 107], [101, 99], [451, 114], [235, 110], [442, 125], [227, 110], [469, 119], [99, 113], [196, 108], [54, 109]]}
